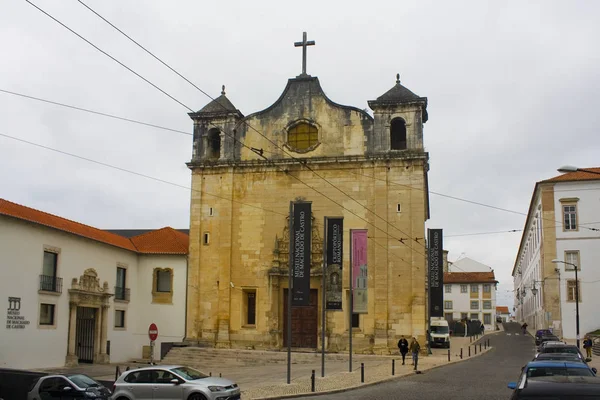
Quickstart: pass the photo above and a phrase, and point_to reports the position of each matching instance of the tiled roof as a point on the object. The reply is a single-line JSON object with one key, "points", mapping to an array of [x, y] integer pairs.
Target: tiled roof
{"points": [[502, 310], [577, 176], [219, 105], [161, 241], [469, 277]]}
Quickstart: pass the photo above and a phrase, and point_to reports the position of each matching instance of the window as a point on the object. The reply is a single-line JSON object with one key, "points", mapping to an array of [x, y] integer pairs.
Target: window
{"points": [[448, 316], [398, 208], [206, 238], [487, 304], [487, 318], [474, 304], [474, 288], [303, 137], [572, 257], [120, 291], [355, 320], [448, 288], [474, 316], [119, 318], [163, 280], [571, 290], [463, 288], [464, 315], [447, 305], [46, 314], [487, 288], [398, 134], [211, 212], [570, 217], [250, 307], [213, 148], [49, 266]]}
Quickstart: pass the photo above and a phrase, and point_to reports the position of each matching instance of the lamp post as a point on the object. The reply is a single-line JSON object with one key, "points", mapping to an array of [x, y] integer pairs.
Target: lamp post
{"points": [[570, 168], [534, 291], [556, 261]]}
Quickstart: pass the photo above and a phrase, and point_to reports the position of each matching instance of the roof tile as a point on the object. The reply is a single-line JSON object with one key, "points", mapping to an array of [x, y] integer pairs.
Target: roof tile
{"points": [[577, 176], [469, 277]]}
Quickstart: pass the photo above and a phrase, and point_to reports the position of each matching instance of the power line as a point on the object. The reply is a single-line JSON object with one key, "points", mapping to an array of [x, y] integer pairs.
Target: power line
{"points": [[483, 233]]}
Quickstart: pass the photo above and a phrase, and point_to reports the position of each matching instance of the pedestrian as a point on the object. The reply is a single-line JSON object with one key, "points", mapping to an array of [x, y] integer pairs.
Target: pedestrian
{"points": [[482, 328], [587, 345], [524, 328], [414, 349], [403, 347]]}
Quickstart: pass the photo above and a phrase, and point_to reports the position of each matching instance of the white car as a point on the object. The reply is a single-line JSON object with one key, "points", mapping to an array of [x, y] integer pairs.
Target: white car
{"points": [[172, 382]]}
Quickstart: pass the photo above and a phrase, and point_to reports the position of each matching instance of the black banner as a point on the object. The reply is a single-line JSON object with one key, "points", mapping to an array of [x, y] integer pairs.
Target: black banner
{"points": [[333, 271], [301, 261], [436, 272]]}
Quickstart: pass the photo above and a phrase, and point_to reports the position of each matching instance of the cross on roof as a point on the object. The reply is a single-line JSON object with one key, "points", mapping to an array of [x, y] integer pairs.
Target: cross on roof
{"points": [[304, 43]]}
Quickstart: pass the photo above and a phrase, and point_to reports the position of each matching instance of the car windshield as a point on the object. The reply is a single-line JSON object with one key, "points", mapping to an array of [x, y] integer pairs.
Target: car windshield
{"points": [[189, 374], [439, 329], [538, 372], [560, 349], [83, 381]]}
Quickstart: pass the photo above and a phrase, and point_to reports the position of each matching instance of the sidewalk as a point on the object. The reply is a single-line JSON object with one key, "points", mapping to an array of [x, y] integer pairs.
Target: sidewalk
{"points": [[270, 381]]}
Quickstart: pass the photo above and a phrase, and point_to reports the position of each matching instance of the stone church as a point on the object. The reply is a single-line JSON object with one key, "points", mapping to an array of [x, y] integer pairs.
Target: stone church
{"points": [[369, 169]]}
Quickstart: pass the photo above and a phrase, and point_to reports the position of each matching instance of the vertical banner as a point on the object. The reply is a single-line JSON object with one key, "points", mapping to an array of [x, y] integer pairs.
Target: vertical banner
{"points": [[436, 272], [301, 237], [359, 270], [333, 272]]}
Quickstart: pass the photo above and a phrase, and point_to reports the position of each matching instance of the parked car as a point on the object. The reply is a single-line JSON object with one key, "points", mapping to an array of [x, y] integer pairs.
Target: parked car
{"points": [[547, 338], [172, 382], [563, 348], [557, 357], [542, 332], [67, 387]]}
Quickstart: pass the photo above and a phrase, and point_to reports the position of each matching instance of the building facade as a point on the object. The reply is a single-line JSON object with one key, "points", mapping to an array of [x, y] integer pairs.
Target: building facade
{"points": [[562, 224], [370, 170], [73, 293], [503, 313], [472, 296]]}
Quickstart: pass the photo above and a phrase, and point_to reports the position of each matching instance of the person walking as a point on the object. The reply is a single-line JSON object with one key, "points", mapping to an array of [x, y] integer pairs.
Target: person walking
{"points": [[587, 345], [403, 347], [414, 349], [524, 328]]}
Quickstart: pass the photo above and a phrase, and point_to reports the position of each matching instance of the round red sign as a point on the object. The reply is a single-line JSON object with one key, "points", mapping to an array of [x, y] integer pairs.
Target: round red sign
{"points": [[153, 332]]}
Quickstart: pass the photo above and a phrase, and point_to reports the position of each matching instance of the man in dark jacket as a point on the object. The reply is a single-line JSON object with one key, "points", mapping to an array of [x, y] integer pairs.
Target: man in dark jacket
{"points": [[403, 347]]}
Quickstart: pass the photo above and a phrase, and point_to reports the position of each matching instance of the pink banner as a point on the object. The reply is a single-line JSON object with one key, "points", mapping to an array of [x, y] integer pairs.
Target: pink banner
{"points": [[359, 270]]}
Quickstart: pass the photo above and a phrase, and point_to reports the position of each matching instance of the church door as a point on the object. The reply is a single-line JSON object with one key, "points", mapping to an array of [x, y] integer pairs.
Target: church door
{"points": [[304, 322], [86, 322]]}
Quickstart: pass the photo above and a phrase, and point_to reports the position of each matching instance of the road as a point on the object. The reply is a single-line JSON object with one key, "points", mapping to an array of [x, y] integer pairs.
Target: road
{"points": [[483, 377]]}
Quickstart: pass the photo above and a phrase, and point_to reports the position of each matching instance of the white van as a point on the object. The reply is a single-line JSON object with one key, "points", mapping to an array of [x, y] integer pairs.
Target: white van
{"points": [[440, 333]]}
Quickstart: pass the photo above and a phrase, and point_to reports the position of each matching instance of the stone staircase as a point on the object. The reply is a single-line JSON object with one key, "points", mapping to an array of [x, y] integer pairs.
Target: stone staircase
{"points": [[205, 357], [596, 346]]}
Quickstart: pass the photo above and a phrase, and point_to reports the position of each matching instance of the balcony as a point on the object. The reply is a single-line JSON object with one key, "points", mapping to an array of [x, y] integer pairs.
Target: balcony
{"points": [[121, 293], [50, 283]]}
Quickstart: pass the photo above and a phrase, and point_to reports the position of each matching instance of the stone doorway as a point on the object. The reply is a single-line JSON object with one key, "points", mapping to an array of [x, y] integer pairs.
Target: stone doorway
{"points": [[304, 322], [84, 336]]}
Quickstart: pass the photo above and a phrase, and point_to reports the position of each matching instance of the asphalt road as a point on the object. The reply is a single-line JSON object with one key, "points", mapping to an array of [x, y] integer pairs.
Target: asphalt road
{"points": [[484, 377]]}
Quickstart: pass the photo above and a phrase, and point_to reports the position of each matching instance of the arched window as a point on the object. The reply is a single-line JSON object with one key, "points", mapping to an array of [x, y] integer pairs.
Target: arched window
{"points": [[213, 149], [398, 134], [302, 137]]}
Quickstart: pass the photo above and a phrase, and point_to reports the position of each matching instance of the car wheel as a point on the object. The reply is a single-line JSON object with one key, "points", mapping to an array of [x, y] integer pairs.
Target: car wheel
{"points": [[196, 396]]}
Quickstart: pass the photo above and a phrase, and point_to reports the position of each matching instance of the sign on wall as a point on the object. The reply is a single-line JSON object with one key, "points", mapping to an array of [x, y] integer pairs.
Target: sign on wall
{"points": [[360, 274], [436, 272], [14, 319], [333, 267], [301, 242]]}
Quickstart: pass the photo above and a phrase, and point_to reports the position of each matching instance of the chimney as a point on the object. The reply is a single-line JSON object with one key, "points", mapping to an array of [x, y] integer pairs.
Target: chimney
{"points": [[445, 260]]}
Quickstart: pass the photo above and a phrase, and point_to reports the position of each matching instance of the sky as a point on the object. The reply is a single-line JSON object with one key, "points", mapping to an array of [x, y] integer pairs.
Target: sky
{"points": [[511, 86]]}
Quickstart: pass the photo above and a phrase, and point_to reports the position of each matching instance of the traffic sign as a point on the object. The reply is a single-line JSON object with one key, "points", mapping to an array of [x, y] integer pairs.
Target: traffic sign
{"points": [[153, 332]]}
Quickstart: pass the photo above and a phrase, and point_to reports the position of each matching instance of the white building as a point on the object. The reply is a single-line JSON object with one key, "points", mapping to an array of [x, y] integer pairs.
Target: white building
{"points": [[503, 313], [73, 293], [470, 295], [467, 264], [562, 223]]}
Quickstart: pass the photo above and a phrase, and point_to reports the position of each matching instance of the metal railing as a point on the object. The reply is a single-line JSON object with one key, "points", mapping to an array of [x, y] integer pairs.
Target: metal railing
{"points": [[50, 283], [121, 293]]}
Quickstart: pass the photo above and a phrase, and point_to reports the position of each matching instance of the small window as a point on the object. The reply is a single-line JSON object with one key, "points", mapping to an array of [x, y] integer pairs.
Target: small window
{"points": [[447, 305], [119, 318], [398, 207], [474, 316], [355, 320], [163, 280], [448, 316], [206, 238], [487, 288], [398, 134], [463, 288], [474, 304], [250, 307], [46, 314], [572, 290], [572, 258], [570, 217], [474, 288], [487, 319], [487, 304], [213, 150], [302, 137], [210, 212], [464, 315], [448, 288]]}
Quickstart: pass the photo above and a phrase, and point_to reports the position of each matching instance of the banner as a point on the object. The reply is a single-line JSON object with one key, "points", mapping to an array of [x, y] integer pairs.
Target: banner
{"points": [[359, 270], [333, 267], [301, 242], [436, 272]]}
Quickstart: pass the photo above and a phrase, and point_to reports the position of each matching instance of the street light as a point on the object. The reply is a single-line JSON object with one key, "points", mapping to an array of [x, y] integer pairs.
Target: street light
{"points": [[556, 261], [570, 168]]}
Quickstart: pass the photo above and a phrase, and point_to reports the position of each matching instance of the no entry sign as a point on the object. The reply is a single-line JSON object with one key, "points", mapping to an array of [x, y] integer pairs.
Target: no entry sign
{"points": [[153, 332]]}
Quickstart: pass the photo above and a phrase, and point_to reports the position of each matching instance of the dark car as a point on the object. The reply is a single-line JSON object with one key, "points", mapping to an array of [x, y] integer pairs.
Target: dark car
{"points": [[68, 387], [557, 357], [541, 332], [563, 348], [546, 338]]}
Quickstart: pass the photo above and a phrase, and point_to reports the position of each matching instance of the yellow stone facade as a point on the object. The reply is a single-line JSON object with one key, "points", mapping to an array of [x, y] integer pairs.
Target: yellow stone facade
{"points": [[239, 215]]}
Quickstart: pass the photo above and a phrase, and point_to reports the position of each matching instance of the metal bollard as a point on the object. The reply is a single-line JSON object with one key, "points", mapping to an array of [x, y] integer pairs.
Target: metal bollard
{"points": [[461, 353], [475, 346], [127, 369], [362, 372], [220, 375], [393, 367], [117, 372], [448, 355], [210, 373], [485, 344], [312, 381], [480, 347], [469, 351]]}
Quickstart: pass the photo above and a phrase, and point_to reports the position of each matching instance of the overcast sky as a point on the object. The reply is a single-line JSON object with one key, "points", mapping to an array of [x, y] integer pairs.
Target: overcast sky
{"points": [[512, 88]]}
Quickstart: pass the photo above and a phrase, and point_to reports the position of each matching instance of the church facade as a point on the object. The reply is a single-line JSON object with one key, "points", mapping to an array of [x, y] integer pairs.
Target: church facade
{"points": [[370, 170]]}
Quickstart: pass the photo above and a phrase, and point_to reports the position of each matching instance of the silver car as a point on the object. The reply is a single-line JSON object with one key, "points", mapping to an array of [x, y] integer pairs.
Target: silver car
{"points": [[172, 382], [67, 387]]}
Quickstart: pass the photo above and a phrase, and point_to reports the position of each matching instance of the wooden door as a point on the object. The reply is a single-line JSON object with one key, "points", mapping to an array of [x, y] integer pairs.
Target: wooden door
{"points": [[304, 322]]}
